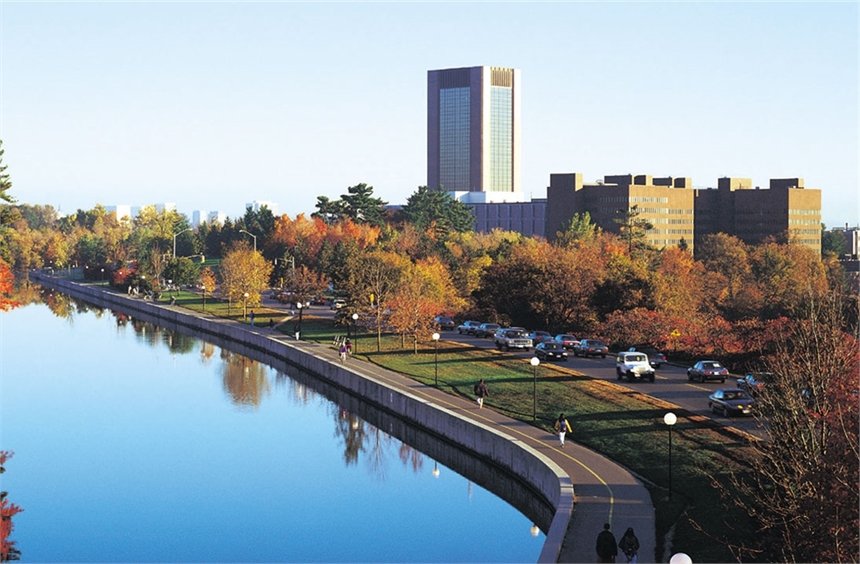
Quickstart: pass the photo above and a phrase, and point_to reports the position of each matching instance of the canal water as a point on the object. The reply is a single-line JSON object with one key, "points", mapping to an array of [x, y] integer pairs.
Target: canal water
{"points": [[135, 443]]}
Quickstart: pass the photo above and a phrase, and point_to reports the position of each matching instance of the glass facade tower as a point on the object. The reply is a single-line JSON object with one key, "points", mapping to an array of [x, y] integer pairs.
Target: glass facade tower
{"points": [[473, 133]]}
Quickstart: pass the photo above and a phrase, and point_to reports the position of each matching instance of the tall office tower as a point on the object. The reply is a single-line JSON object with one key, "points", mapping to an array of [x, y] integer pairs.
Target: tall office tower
{"points": [[473, 133]]}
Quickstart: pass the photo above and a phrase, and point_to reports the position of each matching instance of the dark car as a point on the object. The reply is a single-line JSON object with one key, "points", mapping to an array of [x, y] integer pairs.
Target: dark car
{"points": [[540, 336], [753, 382], [550, 350], [567, 341], [590, 347], [707, 370], [655, 357], [487, 330], [731, 401], [445, 323], [468, 327]]}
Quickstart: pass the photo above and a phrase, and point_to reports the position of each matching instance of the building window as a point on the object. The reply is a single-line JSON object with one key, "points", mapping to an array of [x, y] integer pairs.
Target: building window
{"points": [[454, 147]]}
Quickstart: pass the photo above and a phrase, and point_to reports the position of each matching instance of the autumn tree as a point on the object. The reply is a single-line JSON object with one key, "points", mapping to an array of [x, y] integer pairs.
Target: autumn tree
{"points": [[802, 487], [7, 511], [208, 283], [244, 274], [7, 215], [6, 288], [306, 283], [375, 280]]}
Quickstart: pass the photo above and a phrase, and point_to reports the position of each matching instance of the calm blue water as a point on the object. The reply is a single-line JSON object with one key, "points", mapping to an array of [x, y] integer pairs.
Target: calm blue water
{"points": [[135, 444]]}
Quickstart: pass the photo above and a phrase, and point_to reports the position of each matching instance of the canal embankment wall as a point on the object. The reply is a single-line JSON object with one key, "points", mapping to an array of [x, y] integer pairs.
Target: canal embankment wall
{"points": [[543, 475]]}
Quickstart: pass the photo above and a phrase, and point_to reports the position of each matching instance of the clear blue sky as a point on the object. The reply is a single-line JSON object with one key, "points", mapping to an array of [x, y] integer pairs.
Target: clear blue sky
{"points": [[213, 105]]}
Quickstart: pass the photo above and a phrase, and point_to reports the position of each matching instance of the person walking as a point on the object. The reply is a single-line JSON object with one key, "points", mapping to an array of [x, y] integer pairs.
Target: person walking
{"points": [[342, 352], [607, 549], [481, 392], [562, 427], [271, 325], [629, 545]]}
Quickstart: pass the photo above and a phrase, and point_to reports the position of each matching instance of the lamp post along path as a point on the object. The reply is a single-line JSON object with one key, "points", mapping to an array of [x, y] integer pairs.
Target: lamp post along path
{"points": [[534, 362], [670, 419], [436, 357]]}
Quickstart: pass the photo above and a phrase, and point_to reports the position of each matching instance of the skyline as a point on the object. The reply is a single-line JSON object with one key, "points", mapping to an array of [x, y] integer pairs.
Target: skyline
{"points": [[213, 105]]}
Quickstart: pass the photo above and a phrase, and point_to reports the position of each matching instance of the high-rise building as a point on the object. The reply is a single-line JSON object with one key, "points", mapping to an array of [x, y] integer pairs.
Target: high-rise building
{"points": [[473, 134]]}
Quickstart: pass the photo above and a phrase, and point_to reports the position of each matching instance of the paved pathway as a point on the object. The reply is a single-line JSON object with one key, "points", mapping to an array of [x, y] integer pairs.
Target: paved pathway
{"points": [[605, 491]]}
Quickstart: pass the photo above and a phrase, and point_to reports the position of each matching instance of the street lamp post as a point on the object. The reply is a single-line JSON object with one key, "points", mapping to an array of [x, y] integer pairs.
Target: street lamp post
{"points": [[174, 239], [355, 332], [670, 419], [245, 305], [252, 235], [299, 327], [534, 362], [436, 357]]}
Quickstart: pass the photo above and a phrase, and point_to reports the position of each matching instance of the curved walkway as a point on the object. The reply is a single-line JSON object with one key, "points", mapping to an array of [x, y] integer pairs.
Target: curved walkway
{"points": [[604, 492]]}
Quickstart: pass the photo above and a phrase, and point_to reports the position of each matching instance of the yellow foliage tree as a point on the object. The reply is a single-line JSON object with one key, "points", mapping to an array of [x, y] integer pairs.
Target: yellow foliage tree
{"points": [[244, 275]]}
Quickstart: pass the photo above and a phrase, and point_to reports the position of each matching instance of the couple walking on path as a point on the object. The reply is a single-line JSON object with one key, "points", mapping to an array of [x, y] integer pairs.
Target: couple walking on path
{"points": [[607, 549]]}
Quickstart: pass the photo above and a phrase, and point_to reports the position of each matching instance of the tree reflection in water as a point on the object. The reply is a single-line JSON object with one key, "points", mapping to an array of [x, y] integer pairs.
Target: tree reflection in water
{"points": [[245, 381]]}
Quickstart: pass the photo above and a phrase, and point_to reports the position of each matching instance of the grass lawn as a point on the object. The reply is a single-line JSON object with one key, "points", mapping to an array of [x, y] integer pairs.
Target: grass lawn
{"points": [[624, 425]]}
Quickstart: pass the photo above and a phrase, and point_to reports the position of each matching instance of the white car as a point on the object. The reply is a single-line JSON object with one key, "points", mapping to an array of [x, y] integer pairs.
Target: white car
{"points": [[633, 366]]}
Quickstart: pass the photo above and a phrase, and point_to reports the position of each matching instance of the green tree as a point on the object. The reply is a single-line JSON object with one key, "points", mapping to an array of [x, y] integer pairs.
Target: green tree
{"points": [[633, 229], [330, 211], [437, 211], [580, 228], [182, 271], [833, 242]]}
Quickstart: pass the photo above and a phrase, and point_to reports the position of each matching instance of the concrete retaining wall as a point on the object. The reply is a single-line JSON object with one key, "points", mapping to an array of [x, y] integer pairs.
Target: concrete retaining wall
{"points": [[511, 454]]}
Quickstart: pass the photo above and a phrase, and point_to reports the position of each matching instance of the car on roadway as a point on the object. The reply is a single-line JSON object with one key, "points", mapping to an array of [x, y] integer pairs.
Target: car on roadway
{"points": [[590, 347], [538, 337], [707, 370], [486, 330], [731, 401], [550, 350], [507, 338], [468, 327], [337, 303], [655, 357], [445, 323], [633, 366], [566, 340], [753, 382]]}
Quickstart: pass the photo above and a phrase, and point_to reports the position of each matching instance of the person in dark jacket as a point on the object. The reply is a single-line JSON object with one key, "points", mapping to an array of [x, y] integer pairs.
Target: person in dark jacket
{"points": [[481, 392], [607, 549], [629, 545]]}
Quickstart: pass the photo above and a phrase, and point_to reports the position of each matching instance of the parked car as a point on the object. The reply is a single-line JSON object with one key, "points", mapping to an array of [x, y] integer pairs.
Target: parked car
{"points": [[753, 382], [550, 350], [590, 347], [512, 338], [567, 341], [445, 323], [338, 303], [486, 330], [468, 327], [633, 366], [318, 300], [707, 370], [655, 357], [731, 401], [538, 337]]}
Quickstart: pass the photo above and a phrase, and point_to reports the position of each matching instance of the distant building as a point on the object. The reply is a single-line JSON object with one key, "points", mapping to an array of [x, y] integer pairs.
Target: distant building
{"points": [[666, 203], [473, 134], [257, 205], [197, 217], [218, 217], [121, 210], [752, 215], [168, 206], [676, 210]]}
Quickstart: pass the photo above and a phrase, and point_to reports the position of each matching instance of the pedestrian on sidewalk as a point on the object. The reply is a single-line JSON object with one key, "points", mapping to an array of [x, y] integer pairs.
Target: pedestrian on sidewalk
{"points": [[629, 545], [481, 392], [342, 351], [607, 549], [271, 325], [251, 315], [562, 427]]}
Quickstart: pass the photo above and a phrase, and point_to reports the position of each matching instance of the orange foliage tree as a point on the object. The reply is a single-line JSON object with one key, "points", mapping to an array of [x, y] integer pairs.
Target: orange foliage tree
{"points": [[6, 286], [7, 511]]}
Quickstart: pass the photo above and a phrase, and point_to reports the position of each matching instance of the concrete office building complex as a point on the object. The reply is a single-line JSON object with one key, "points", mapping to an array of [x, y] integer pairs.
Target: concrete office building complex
{"points": [[677, 211], [666, 203]]}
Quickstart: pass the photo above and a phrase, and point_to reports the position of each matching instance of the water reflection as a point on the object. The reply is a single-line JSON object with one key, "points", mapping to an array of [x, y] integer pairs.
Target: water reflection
{"points": [[376, 442], [245, 381]]}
